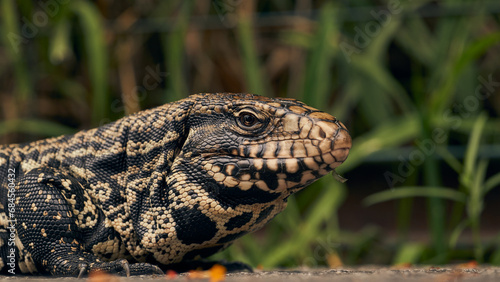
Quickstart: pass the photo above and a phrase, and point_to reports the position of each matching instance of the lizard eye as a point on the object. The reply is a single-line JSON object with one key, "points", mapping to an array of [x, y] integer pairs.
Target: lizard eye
{"points": [[247, 119], [250, 121]]}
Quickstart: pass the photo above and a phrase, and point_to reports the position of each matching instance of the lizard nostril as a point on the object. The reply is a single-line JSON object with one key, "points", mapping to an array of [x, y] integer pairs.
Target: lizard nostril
{"points": [[321, 133], [343, 140], [321, 130]]}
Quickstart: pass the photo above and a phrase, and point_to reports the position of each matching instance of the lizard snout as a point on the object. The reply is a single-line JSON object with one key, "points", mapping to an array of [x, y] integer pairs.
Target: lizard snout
{"points": [[331, 139], [319, 136]]}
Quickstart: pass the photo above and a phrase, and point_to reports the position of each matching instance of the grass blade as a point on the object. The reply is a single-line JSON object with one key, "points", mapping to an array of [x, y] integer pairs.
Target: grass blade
{"points": [[491, 183], [174, 48], [449, 158], [316, 78], [35, 127], [387, 135], [409, 253], [415, 191], [13, 40], [96, 50], [321, 210], [470, 159], [254, 81], [60, 47], [455, 234]]}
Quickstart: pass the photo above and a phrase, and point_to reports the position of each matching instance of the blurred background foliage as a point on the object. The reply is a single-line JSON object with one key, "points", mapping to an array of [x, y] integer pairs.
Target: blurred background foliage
{"points": [[416, 82]]}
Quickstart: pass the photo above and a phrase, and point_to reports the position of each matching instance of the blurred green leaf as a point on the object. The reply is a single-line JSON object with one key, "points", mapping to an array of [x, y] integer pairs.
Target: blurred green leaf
{"points": [[322, 209], [409, 253], [387, 135], [174, 48], [60, 47], [417, 191], [449, 159], [37, 127], [492, 182], [470, 159], [14, 41], [457, 231], [97, 57], [251, 62], [316, 77]]}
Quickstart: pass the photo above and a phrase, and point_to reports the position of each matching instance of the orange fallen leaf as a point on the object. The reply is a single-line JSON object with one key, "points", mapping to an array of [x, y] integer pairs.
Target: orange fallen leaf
{"points": [[470, 264], [334, 260], [196, 274], [171, 274], [217, 273], [403, 265], [101, 276]]}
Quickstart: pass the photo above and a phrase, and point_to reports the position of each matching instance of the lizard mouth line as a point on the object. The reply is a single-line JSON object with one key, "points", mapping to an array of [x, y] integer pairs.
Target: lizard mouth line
{"points": [[324, 157]]}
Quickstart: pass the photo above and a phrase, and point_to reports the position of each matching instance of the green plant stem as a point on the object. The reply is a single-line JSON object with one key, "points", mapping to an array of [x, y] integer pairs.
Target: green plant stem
{"points": [[436, 212], [14, 40], [251, 65], [174, 48], [403, 218], [316, 79], [96, 51], [435, 209]]}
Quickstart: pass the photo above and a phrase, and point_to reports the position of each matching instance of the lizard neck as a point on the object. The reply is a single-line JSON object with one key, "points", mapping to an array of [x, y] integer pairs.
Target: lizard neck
{"points": [[128, 176]]}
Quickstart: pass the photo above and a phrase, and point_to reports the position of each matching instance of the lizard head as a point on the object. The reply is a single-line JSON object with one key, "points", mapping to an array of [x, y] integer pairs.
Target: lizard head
{"points": [[255, 149], [243, 155]]}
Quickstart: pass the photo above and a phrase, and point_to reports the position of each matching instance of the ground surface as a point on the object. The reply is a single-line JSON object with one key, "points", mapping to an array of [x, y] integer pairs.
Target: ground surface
{"points": [[372, 274]]}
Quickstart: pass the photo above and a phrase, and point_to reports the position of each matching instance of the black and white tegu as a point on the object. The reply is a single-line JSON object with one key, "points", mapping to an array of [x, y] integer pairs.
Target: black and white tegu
{"points": [[164, 186]]}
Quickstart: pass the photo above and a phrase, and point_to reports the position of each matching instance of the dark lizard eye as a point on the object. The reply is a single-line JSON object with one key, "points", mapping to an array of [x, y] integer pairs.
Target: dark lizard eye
{"points": [[250, 123], [247, 119]]}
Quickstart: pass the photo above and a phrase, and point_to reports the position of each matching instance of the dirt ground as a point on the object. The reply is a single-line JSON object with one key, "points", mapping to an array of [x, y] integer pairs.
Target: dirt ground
{"points": [[366, 273]]}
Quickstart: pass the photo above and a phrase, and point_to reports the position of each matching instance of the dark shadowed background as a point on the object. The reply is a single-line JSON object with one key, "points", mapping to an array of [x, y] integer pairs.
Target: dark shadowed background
{"points": [[416, 82]]}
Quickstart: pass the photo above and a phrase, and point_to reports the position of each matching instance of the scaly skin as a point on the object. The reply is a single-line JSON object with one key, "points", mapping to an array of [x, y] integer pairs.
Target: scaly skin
{"points": [[167, 185]]}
